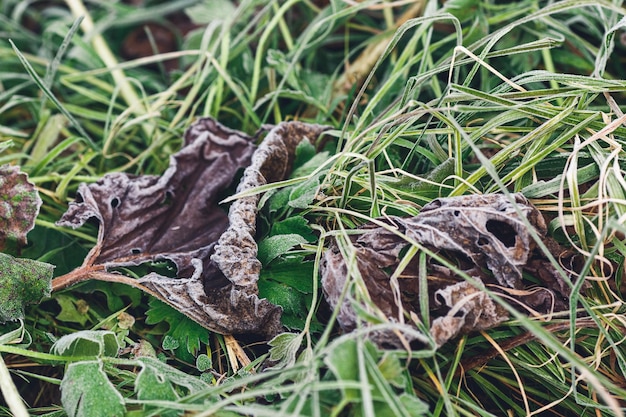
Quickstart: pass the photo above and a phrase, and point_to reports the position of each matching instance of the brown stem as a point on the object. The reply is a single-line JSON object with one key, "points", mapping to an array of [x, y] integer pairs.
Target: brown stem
{"points": [[72, 278], [98, 273]]}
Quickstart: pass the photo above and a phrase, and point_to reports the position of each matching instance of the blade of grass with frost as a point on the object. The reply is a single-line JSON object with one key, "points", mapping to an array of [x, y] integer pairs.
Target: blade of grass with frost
{"points": [[51, 96], [201, 69], [611, 179], [315, 33], [392, 44], [488, 42], [538, 151], [275, 19], [53, 66]]}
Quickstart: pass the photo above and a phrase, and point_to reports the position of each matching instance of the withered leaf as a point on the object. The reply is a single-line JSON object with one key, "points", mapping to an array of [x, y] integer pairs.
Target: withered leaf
{"points": [[19, 205], [236, 251], [175, 217], [482, 235]]}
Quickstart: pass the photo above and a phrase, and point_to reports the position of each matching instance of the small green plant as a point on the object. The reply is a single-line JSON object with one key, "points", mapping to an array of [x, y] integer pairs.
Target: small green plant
{"points": [[422, 100]]}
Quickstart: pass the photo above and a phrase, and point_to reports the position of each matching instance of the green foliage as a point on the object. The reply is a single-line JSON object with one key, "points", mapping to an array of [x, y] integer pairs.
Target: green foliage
{"points": [[288, 282], [184, 336], [158, 381], [97, 343], [352, 362], [86, 391], [274, 246], [424, 100], [72, 310], [22, 282]]}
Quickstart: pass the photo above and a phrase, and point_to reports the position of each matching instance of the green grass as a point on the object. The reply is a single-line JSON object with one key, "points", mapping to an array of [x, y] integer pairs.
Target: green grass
{"points": [[424, 101]]}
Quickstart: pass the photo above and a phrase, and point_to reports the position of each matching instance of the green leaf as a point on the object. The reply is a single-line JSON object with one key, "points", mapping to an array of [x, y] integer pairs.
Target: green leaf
{"points": [[210, 10], [391, 369], [274, 246], [303, 194], [170, 375], [311, 165], [294, 271], [96, 343], [169, 343], [159, 381], [87, 392], [56, 248], [343, 363], [204, 362], [288, 282], [413, 405], [22, 281], [278, 202], [293, 225], [304, 152], [182, 329], [117, 295], [284, 349], [153, 385], [72, 310], [294, 304]]}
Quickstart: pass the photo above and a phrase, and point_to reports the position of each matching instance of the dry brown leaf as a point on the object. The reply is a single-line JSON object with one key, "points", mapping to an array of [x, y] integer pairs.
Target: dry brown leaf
{"points": [[483, 235], [175, 217], [19, 205]]}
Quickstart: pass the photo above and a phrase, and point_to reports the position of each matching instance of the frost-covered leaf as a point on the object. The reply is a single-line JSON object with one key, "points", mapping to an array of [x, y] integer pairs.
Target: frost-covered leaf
{"points": [[85, 343], [87, 392], [295, 304], [210, 10], [342, 360], [22, 281], [274, 246], [284, 349], [204, 362], [159, 381], [293, 225], [169, 343], [483, 235], [19, 205], [175, 217]]}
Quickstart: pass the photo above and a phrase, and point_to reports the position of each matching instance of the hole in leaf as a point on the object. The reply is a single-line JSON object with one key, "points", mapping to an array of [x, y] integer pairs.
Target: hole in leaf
{"points": [[167, 198], [459, 259], [163, 267], [135, 251], [482, 241], [440, 299], [503, 231], [115, 202]]}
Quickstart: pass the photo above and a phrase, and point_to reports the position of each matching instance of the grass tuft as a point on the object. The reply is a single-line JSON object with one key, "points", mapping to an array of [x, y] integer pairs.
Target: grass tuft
{"points": [[424, 100]]}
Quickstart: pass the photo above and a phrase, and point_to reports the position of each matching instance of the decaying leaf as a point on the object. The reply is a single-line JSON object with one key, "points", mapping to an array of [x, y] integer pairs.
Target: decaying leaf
{"points": [[236, 251], [482, 235], [19, 205], [175, 217]]}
